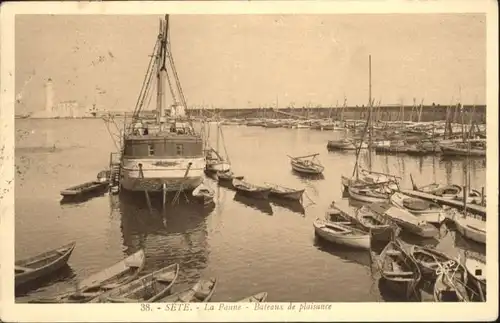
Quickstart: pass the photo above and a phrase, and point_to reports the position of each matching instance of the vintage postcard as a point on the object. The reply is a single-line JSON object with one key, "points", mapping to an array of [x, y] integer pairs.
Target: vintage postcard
{"points": [[249, 161]]}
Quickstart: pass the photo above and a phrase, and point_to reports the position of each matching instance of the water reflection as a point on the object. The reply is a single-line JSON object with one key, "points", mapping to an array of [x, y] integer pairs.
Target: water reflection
{"points": [[388, 294], [210, 242], [312, 177], [360, 257], [177, 234], [59, 276], [293, 206], [258, 204], [75, 200]]}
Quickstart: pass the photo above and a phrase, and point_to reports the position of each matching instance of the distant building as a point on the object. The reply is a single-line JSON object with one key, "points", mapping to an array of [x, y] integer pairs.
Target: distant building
{"points": [[67, 109], [49, 97]]}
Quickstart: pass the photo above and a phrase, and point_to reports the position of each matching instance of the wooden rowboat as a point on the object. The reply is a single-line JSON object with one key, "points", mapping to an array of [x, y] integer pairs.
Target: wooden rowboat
{"points": [[204, 194], [342, 232], [403, 218], [460, 149], [112, 277], [422, 209], [201, 292], [451, 283], [307, 166], [368, 194], [257, 298], [149, 288], [476, 278], [85, 188], [398, 269], [43, 264], [470, 227], [380, 229], [252, 190], [227, 176], [367, 177], [344, 144], [284, 192], [428, 260]]}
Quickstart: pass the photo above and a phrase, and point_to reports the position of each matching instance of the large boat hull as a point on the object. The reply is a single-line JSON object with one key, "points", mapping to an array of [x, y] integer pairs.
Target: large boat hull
{"points": [[157, 173]]}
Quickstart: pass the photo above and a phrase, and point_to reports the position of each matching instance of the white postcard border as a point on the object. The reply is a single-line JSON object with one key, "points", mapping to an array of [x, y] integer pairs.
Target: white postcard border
{"points": [[340, 311]]}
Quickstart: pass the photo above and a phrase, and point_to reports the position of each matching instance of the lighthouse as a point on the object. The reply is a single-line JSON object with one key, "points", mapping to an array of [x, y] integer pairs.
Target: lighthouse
{"points": [[49, 98]]}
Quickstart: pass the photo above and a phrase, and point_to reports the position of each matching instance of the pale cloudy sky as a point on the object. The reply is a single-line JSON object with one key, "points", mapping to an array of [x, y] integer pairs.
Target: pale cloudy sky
{"points": [[247, 60]]}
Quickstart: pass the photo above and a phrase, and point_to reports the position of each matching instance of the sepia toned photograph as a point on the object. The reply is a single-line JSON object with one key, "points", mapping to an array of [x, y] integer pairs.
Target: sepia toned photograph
{"points": [[252, 161]]}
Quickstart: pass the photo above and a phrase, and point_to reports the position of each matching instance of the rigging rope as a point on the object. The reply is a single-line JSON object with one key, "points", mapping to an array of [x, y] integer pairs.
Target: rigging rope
{"points": [[146, 80], [176, 77], [223, 143], [358, 150]]}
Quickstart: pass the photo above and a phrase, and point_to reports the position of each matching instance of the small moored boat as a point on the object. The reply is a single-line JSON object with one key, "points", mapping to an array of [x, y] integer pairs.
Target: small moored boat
{"points": [[85, 188], [250, 189], [476, 278], [148, 288], [342, 232], [477, 149], [451, 283], [369, 193], [398, 269], [201, 292], [444, 191], [226, 178], [257, 298], [428, 260], [403, 218], [204, 194], [344, 144], [370, 177], [285, 193], [470, 227], [381, 229], [425, 210], [43, 264], [307, 166]]}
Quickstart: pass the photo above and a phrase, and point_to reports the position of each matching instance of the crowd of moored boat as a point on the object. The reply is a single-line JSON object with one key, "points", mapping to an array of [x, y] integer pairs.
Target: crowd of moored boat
{"points": [[122, 282], [387, 211], [412, 138]]}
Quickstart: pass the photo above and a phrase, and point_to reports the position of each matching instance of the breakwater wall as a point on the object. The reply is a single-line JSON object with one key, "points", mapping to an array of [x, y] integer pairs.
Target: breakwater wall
{"points": [[383, 113]]}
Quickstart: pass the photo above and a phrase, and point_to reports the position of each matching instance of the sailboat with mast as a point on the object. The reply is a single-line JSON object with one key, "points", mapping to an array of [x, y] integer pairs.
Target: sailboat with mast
{"points": [[164, 153], [215, 162], [369, 182], [470, 226]]}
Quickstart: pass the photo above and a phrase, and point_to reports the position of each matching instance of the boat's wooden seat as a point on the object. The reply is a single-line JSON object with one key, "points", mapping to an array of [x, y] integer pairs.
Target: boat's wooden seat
{"points": [[393, 252], [141, 287], [342, 222], [23, 269], [165, 278], [398, 273]]}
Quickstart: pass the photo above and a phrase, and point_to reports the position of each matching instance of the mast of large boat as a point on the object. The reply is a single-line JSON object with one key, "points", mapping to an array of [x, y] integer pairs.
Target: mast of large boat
{"points": [[160, 73]]}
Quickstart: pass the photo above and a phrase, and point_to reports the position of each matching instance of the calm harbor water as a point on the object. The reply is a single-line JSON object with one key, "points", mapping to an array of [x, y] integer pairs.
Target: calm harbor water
{"points": [[250, 248]]}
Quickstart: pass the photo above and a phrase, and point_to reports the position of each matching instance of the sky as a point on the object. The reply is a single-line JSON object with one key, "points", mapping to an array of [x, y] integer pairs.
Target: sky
{"points": [[238, 61]]}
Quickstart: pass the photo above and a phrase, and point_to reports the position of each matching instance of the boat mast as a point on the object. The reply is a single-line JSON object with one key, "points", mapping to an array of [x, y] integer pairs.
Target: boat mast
{"points": [[160, 68]]}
